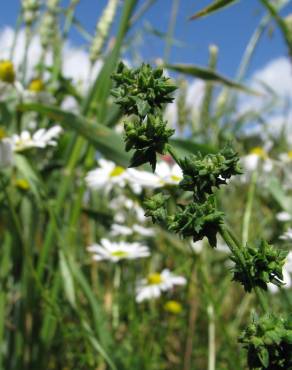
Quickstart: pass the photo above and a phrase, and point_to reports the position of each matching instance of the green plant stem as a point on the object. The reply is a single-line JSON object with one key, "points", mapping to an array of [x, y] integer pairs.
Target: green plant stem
{"points": [[170, 31], [211, 338], [248, 209], [116, 309], [235, 249]]}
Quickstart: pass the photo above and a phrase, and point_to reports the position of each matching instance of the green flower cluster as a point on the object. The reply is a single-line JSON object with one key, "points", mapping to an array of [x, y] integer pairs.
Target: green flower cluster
{"points": [[147, 137], [156, 208], [203, 173], [197, 221], [263, 265], [142, 92], [268, 341]]}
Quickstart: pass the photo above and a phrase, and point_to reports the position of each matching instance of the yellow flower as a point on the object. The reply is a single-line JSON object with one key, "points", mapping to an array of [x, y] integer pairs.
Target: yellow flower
{"points": [[2, 133], [260, 152], [173, 307], [36, 85], [7, 73], [22, 184], [154, 278], [290, 154]]}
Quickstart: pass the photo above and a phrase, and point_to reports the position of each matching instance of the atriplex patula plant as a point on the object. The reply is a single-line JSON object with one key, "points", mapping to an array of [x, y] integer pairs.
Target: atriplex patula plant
{"points": [[141, 93]]}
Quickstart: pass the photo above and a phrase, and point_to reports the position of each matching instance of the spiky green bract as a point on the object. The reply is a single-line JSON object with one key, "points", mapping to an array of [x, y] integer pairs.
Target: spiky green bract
{"points": [[147, 137], [155, 208], [197, 220], [268, 341], [142, 90], [264, 264], [202, 173]]}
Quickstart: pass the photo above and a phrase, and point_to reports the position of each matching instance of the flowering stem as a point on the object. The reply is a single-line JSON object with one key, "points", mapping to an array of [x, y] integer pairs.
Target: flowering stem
{"points": [[211, 338], [248, 209], [117, 282], [235, 249]]}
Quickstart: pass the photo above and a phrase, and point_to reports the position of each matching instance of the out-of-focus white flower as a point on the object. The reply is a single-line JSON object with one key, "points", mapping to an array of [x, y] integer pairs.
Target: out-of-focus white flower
{"points": [[286, 157], [283, 216], [156, 283], [122, 205], [106, 176], [287, 235], [35, 93], [257, 159], [116, 251], [287, 270], [118, 230], [6, 153], [40, 139], [257, 156], [168, 174], [143, 231], [142, 179]]}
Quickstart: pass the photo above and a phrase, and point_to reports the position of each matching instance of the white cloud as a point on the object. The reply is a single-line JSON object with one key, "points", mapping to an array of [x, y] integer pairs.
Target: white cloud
{"points": [[75, 60], [276, 75]]}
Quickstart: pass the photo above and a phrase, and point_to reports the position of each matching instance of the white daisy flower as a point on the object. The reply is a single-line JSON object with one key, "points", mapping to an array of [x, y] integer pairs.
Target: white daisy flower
{"points": [[257, 156], [156, 283], [142, 179], [40, 139], [283, 216], [116, 251], [106, 176], [168, 174], [287, 235], [287, 270], [6, 153]]}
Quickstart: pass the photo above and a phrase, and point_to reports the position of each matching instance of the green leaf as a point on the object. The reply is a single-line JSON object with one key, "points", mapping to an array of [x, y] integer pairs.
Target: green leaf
{"points": [[212, 8], [264, 356], [207, 74], [29, 174], [186, 147], [68, 280], [282, 24], [276, 190], [104, 139]]}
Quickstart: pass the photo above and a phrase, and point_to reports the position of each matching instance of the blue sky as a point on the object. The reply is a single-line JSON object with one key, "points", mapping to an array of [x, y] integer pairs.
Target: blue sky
{"points": [[229, 29]]}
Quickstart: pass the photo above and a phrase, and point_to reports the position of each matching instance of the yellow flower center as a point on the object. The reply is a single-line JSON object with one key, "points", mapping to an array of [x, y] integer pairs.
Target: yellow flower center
{"points": [[154, 278], [22, 184], [260, 152], [2, 133], [173, 307], [120, 254], [175, 178], [36, 85], [290, 154], [7, 73], [117, 171]]}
